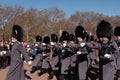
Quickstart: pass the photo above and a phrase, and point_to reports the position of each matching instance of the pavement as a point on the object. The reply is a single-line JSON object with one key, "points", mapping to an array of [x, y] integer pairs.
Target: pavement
{"points": [[27, 67]]}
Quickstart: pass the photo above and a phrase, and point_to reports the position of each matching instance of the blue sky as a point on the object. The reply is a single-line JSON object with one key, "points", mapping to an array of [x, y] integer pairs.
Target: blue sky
{"points": [[106, 7]]}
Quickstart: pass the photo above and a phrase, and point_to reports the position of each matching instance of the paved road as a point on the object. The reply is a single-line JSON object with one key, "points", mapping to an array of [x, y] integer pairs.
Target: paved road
{"points": [[34, 76]]}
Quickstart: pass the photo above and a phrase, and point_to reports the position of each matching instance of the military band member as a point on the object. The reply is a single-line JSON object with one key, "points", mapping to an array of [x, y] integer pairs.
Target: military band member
{"points": [[65, 55], [46, 51], [16, 71], [92, 48], [73, 49], [82, 53], [55, 65], [117, 36], [37, 63], [108, 51]]}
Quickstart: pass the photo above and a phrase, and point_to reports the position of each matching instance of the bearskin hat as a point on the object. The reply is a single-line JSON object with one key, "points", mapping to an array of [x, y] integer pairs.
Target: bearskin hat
{"points": [[17, 32], [60, 39], [86, 36], [117, 31], [72, 37], [80, 32], [104, 29], [54, 38], [92, 38], [46, 40], [65, 35], [38, 38]]}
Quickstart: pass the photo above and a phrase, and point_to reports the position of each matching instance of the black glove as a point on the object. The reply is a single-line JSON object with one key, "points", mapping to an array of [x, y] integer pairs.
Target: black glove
{"points": [[118, 73]]}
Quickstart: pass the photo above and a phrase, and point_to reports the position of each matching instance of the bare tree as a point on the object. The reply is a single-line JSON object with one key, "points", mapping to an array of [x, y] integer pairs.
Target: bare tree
{"points": [[48, 21]]}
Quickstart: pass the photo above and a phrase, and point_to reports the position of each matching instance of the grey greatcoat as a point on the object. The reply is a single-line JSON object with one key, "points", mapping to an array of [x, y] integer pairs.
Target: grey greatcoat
{"points": [[39, 57], [73, 56], [55, 57], [16, 70], [92, 47], [46, 56], [65, 59], [38, 60], [82, 60], [108, 65], [118, 58]]}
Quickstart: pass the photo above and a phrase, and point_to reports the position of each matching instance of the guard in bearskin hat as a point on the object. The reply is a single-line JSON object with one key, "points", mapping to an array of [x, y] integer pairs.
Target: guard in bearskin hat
{"points": [[38, 38], [46, 66], [82, 53], [37, 63], [65, 55], [55, 57], [108, 51], [16, 71], [37, 44], [80, 33], [117, 36], [92, 48], [72, 72], [73, 48]]}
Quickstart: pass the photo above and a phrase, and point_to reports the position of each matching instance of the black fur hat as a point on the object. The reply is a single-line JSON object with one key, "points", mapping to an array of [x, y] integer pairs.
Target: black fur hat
{"points": [[92, 38], [104, 29], [65, 35], [54, 38], [46, 40], [17, 32], [38, 38], [86, 36], [72, 37], [117, 31], [60, 39], [80, 32]]}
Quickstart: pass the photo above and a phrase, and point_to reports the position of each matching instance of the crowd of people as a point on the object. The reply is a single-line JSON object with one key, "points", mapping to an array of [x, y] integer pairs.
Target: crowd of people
{"points": [[72, 56], [4, 59]]}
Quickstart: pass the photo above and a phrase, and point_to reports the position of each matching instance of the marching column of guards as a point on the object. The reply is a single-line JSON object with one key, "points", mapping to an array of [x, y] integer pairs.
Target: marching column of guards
{"points": [[78, 55], [108, 51]]}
